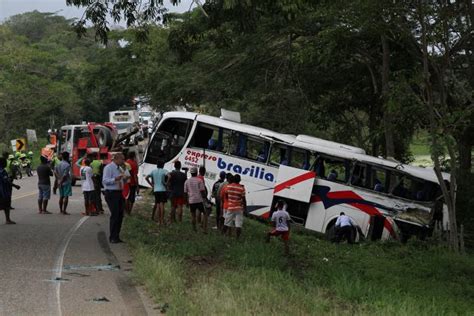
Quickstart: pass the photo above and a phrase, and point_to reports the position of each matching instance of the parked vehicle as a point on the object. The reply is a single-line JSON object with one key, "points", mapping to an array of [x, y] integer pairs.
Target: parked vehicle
{"points": [[91, 138], [125, 121]]}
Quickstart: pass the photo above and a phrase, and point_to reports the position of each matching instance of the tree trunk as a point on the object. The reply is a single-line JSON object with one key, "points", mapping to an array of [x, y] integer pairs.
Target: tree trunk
{"points": [[448, 195], [465, 156], [387, 113]]}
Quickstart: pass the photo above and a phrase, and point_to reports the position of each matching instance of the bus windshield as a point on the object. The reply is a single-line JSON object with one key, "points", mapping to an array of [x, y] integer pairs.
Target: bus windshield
{"points": [[168, 140]]}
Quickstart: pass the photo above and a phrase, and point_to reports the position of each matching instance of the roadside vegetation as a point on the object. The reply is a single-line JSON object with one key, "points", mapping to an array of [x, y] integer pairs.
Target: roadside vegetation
{"points": [[193, 273]]}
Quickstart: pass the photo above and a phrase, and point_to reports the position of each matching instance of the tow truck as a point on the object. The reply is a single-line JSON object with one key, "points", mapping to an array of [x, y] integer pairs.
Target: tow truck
{"points": [[100, 140]]}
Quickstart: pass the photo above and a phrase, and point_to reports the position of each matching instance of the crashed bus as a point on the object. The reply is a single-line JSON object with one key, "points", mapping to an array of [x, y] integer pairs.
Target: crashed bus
{"points": [[317, 178]]}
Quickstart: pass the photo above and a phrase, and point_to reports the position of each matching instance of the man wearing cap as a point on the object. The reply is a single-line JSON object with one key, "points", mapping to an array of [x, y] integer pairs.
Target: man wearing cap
{"points": [[195, 191], [217, 198], [113, 183], [176, 180]]}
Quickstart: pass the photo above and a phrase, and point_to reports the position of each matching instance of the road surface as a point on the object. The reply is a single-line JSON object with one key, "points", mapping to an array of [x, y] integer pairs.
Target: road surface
{"points": [[63, 265]]}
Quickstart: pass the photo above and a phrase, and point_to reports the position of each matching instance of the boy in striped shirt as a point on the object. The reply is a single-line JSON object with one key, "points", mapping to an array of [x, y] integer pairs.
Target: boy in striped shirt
{"points": [[234, 193]]}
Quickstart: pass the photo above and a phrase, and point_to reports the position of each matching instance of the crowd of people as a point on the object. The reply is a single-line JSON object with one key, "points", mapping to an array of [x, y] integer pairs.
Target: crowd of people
{"points": [[118, 182], [229, 201]]}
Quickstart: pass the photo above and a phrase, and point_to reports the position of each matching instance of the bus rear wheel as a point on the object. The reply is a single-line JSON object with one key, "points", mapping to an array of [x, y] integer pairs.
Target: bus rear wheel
{"points": [[331, 232]]}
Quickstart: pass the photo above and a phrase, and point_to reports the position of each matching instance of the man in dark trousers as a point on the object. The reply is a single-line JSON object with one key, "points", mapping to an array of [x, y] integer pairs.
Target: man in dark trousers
{"points": [[344, 228], [6, 190], [215, 194], [176, 180], [113, 180]]}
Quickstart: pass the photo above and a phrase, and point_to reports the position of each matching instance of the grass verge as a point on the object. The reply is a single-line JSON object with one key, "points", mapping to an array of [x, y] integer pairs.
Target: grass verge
{"points": [[193, 273]]}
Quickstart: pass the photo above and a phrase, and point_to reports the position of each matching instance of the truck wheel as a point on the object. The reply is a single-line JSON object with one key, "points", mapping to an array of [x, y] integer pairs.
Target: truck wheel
{"points": [[104, 136]]}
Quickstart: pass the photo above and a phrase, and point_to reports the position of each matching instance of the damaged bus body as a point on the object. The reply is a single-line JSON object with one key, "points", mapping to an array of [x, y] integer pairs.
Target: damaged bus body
{"points": [[317, 178]]}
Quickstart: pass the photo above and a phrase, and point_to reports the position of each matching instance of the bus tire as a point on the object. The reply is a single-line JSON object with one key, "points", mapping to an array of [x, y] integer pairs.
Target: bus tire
{"points": [[330, 232]]}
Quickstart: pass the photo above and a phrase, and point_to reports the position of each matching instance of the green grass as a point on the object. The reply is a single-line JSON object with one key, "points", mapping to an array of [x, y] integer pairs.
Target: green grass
{"points": [[420, 146], [193, 273]]}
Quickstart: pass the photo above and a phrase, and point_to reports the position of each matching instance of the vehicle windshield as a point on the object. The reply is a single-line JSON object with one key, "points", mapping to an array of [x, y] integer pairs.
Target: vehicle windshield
{"points": [[121, 126], [168, 140]]}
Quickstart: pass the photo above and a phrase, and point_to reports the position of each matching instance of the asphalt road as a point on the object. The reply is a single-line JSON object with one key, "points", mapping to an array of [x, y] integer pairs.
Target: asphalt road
{"points": [[63, 265]]}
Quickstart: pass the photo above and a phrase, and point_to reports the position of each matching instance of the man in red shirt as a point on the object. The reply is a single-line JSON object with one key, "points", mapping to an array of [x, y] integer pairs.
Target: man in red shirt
{"points": [[133, 182], [234, 193]]}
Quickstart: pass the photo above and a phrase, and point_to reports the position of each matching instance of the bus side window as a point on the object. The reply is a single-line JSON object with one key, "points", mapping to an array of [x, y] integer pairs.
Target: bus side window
{"points": [[336, 170], [229, 141], [279, 155], [299, 159], [204, 137], [257, 149], [378, 180], [359, 175]]}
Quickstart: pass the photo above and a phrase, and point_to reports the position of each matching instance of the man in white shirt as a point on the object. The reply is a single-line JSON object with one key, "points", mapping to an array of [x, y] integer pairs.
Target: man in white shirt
{"points": [[344, 228], [88, 187], [281, 225], [112, 181]]}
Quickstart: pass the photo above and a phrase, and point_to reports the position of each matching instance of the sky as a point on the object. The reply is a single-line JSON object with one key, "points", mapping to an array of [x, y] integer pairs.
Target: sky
{"points": [[12, 7]]}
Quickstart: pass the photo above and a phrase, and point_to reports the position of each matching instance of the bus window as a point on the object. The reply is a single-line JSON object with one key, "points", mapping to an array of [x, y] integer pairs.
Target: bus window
{"points": [[279, 154], [378, 180], [205, 136], [213, 138], [300, 159], [336, 170], [168, 140], [359, 175], [257, 149]]}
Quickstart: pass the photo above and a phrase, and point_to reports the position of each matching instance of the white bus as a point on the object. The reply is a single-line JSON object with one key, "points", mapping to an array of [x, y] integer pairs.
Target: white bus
{"points": [[317, 178]]}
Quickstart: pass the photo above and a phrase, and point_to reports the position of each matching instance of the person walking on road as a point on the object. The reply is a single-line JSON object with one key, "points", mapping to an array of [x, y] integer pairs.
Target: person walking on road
{"points": [[176, 180], [63, 171], [194, 192], [158, 182], [6, 191], [281, 225], [133, 183], [87, 186], [236, 204], [113, 183], [44, 173]]}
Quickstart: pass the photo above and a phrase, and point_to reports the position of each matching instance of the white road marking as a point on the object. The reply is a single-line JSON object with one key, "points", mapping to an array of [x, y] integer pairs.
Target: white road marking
{"points": [[58, 266], [23, 196]]}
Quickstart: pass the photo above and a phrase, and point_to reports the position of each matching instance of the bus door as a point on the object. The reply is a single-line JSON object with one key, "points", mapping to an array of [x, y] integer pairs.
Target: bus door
{"points": [[294, 186]]}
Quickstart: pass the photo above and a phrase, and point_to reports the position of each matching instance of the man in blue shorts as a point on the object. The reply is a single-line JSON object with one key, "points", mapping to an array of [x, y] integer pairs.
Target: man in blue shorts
{"points": [[44, 185], [63, 171]]}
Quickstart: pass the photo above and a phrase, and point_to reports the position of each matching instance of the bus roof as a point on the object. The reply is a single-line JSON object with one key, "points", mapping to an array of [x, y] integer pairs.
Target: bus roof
{"points": [[337, 149]]}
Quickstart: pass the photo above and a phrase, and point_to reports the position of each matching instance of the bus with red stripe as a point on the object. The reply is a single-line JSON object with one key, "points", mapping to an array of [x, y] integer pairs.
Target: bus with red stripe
{"points": [[317, 178]]}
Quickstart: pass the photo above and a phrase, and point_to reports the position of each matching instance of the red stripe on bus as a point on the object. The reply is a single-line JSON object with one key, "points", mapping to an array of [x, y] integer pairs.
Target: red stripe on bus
{"points": [[370, 210], [293, 181]]}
